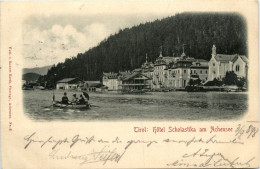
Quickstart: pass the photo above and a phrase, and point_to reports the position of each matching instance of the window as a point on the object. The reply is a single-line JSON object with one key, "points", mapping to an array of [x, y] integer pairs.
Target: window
{"points": [[213, 64], [190, 71], [201, 72], [206, 72], [184, 71], [214, 72], [237, 68]]}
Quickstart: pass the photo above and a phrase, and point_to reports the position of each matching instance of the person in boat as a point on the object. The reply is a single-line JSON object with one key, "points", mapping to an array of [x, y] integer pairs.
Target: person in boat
{"points": [[82, 100], [74, 99], [65, 99]]}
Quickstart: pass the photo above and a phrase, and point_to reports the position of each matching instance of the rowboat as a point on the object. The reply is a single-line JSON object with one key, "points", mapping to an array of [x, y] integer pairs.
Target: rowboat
{"points": [[71, 106]]}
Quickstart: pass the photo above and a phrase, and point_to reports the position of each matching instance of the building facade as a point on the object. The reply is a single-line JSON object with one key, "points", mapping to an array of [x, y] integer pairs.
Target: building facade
{"points": [[180, 74], [111, 80], [160, 72], [240, 66], [176, 72], [199, 68], [219, 64], [114, 80]]}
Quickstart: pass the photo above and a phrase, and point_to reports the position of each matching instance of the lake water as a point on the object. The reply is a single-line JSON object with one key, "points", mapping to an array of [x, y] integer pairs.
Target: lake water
{"points": [[158, 106]]}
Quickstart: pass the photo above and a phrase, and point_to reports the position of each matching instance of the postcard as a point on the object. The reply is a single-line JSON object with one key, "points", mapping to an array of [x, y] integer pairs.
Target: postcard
{"points": [[129, 84]]}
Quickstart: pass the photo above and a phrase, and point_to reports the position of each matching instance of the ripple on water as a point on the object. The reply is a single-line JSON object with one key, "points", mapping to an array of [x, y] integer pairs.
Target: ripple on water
{"points": [[155, 106]]}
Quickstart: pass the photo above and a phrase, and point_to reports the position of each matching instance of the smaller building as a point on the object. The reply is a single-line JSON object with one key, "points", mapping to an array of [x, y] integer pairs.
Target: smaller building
{"points": [[110, 80], [92, 86], [136, 81], [68, 83], [113, 81]]}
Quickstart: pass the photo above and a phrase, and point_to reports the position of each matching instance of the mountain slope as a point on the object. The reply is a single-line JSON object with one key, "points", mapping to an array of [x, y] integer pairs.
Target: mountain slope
{"points": [[38, 70], [126, 49]]}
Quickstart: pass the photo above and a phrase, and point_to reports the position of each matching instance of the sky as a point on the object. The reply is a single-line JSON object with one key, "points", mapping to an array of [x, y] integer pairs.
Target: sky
{"points": [[48, 40]]}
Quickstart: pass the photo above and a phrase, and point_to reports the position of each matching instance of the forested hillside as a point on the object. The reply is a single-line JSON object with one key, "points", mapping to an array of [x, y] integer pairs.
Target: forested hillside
{"points": [[126, 49]]}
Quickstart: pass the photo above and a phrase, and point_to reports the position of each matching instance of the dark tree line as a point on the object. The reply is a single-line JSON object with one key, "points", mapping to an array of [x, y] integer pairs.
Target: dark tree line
{"points": [[126, 49]]}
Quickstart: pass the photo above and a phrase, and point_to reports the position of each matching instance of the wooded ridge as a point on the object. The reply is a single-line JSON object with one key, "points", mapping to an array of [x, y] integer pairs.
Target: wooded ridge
{"points": [[126, 49]]}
